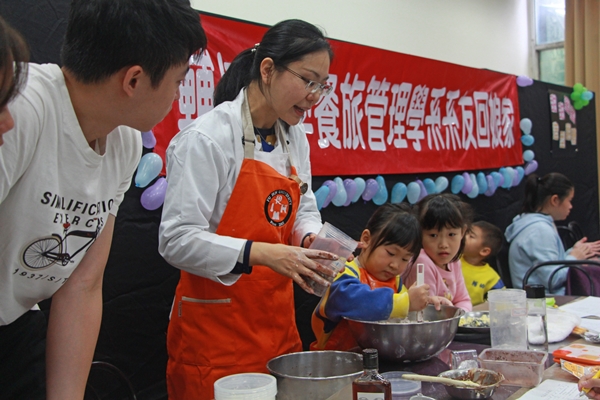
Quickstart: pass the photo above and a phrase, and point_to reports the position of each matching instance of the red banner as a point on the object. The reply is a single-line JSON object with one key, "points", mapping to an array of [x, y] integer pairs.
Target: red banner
{"points": [[389, 113]]}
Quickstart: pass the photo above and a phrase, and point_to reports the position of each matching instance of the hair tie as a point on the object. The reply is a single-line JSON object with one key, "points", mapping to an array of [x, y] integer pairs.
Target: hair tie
{"points": [[255, 47]]}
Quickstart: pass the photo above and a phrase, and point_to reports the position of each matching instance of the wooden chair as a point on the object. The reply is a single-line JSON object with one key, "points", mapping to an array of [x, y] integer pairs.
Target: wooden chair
{"points": [[106, 381], [581, 265]]}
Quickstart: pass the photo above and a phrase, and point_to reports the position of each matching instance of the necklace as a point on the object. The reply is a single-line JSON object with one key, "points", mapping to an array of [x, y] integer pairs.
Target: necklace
{"points": [[266, 135]]}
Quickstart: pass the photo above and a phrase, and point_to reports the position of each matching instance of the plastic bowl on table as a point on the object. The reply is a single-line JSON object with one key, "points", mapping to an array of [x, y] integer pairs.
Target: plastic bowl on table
{"points": [[402, 389]]}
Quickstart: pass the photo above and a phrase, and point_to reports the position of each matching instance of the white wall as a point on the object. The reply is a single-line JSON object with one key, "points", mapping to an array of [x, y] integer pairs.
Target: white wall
{"points": [[490, 34]]}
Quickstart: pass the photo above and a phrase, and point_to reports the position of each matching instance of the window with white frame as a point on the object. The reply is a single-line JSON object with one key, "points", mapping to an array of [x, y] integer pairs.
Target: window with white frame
{"points": [[549, 43]]}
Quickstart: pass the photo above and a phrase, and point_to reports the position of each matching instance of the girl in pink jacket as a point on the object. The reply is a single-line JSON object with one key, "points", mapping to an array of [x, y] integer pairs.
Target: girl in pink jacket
{"points": [[445, 220]]}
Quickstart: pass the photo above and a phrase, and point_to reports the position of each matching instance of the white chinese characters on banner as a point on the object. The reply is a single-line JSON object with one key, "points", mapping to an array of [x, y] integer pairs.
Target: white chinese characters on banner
{"points": [[417, 115]]}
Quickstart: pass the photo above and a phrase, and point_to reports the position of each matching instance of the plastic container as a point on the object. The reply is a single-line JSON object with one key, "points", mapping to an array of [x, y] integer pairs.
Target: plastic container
{"points": [[537, 326], [247, 386], [402, 389], [333, 240], [508, 319], [519, 367]]}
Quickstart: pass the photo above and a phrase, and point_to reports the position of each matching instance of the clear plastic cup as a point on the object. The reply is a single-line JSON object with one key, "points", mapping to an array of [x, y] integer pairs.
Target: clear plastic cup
{"points": [[335, 241], [508, 319]]}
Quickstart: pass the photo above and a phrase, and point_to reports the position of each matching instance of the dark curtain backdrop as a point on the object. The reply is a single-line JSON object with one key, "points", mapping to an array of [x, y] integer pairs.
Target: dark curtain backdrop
{"points": [[139, 285]]}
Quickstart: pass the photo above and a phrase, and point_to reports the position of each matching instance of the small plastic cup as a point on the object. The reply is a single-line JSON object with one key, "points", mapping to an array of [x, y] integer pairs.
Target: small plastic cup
{"points": [[335, 241], [246, 386]]}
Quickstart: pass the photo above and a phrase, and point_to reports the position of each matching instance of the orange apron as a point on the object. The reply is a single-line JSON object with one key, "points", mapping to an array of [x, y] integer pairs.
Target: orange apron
{"points": [[217, 330]]}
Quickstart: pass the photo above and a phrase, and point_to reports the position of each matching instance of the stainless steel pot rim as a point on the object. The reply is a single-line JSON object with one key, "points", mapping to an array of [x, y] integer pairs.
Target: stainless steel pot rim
{"points": [[315, 378]]}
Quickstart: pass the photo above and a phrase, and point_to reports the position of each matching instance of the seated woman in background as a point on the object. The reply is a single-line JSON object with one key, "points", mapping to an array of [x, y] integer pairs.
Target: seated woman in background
{"points": [[534, 238]]}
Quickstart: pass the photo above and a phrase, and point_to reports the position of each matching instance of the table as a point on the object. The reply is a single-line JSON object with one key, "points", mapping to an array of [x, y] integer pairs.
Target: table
{"points": [[441, 362]]}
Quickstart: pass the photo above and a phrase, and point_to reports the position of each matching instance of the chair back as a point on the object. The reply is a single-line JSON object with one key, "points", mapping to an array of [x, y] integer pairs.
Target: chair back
{"points": [[582, 266], [500, 264], [567, 236]]}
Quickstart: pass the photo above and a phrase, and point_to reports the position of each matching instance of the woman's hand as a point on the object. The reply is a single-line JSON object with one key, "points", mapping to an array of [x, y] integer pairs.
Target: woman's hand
{"points": [[418, 296], [582, 250], [593, 384], [294, 262]]}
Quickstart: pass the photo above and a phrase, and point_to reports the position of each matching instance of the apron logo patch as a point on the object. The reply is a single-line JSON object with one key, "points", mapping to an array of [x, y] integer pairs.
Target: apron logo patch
{"points": [[278, 207]]}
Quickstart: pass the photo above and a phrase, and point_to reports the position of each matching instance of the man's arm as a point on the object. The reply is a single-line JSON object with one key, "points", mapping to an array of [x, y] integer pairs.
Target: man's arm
{"points": [[74, 323]]}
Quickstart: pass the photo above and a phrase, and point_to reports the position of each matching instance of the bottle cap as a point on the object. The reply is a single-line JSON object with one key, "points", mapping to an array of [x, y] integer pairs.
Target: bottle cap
{"points": [[535, 291], [370, 359]]}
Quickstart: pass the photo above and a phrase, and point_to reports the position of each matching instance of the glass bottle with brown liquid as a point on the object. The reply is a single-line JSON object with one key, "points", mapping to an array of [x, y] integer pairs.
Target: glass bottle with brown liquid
{"points": [[370, 385]]}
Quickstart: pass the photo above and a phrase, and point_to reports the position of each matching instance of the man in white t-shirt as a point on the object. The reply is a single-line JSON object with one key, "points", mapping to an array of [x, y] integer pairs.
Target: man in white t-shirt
{"points": [[64, 169]]}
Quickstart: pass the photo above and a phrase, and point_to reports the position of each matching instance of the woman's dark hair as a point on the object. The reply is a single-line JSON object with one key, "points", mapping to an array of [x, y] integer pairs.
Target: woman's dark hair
{"points": [[538, 190], [445, 210], [395, 224], [105, 36], [284, 43], [14, 55]]}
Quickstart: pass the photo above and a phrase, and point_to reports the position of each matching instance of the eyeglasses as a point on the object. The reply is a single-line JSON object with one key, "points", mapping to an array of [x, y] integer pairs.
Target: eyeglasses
{"points": [[312, 86]]}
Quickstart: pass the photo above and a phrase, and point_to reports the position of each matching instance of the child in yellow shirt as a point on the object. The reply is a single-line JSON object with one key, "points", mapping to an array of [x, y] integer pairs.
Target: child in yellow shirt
{"points": [[483, 242]]}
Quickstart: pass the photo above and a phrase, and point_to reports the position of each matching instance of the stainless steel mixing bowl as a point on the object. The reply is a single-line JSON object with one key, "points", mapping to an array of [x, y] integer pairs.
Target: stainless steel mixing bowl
{"points": [[314, 374], [489, 381], [409, 340]]}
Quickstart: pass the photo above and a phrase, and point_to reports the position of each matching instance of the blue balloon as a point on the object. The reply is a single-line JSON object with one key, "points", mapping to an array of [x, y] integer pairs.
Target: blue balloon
{"points": [[468, 185], [508, 178], [360, 188], [332, 191], [497, 179], [398, 192], [525, 125], [149, 167], [475, 189], [413, 192], [340, 195], [350, 186], [321, 194], [520, 174], [587, 95], [527, 140], [370, 189], [381, 196], [429, 185], [481, 182], [154, 196], [441, 183], [457, 184], [528, 155]]}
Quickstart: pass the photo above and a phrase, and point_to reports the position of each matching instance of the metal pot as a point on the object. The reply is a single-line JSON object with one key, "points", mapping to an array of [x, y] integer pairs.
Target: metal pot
{"points": [[314, 374], [409, 340]]}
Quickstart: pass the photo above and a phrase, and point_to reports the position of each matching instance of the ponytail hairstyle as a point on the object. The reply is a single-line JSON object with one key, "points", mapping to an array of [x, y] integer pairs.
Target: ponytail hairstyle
{"points": [[539, 190], [395, 224], [14, 55], [284, 43], [445, 210]]}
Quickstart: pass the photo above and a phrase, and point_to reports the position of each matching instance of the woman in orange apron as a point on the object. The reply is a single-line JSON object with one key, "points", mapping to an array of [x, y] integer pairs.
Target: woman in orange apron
{"points": [[238, 201]]}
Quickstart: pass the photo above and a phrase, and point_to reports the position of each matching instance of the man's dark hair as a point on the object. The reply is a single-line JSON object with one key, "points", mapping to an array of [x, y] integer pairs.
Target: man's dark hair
{"points": [[105, 36]]}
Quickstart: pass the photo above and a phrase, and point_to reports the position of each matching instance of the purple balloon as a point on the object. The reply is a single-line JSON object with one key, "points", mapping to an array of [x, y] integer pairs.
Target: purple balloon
{"points": [[468, 185], [423, 189], [350, 186], [523, 81], [370, 189], [491, 185], [332, 191], [154, 196], [530, 167], [148, 139]]}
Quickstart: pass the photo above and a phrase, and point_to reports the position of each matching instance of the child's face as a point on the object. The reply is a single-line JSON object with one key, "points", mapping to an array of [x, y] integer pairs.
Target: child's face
{"points": [[387, 262], [442, 245], [474, 243]]}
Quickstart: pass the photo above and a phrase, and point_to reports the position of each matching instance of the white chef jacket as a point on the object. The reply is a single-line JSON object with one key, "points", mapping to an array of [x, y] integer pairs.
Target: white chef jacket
{"points": [[203, 163]]}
